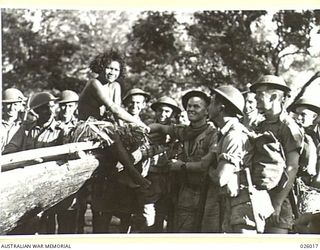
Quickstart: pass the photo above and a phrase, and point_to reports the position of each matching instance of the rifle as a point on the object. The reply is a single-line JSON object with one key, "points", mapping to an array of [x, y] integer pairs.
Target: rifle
{"points": [[294, 203], [27, 108]]}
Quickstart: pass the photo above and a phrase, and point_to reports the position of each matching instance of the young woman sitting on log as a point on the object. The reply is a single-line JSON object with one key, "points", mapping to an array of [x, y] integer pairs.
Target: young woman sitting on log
{"points": [[101, 99]]}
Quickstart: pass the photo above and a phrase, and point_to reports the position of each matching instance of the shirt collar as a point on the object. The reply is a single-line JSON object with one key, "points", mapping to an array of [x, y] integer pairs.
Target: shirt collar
{"points": [[16, 122], [51, 125], [281, 117], [73, 120], [230, 122]]}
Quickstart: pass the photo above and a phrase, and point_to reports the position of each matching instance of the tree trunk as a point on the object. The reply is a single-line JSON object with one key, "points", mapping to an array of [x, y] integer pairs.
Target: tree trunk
{"points": [[25, 192], [14, 160], [303, 90]]}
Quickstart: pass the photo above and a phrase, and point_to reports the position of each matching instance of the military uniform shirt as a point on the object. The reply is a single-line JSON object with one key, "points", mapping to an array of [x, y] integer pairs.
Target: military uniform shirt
{"points": [[194, 150], [7, 132], [290, 135], [231, 145], [31, 136], [286, 130]]}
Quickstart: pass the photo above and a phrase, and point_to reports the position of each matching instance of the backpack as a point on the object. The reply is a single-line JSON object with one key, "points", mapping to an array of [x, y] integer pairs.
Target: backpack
{"points": [[266, 160]]}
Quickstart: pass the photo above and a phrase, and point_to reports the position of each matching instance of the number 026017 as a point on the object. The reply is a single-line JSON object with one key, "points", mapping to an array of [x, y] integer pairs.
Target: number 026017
{"points": [[309, 246]]}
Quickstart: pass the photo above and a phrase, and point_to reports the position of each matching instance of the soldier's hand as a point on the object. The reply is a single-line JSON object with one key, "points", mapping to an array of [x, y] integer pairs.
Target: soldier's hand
{"points": [[275, 217], [146, 128], [175, 165], [232, 188], [153, 127], [157, 138]]}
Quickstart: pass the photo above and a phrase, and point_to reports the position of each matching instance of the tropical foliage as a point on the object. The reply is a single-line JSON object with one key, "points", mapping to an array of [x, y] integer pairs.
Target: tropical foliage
{"points": [[166, 52]]}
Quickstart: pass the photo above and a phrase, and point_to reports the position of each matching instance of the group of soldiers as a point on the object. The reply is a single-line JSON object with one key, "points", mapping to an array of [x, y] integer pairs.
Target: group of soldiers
{"points": [[196, 182]]}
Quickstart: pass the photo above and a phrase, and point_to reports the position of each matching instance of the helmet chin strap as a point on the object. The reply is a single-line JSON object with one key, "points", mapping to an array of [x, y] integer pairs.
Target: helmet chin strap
{"points": [[34, 114]]}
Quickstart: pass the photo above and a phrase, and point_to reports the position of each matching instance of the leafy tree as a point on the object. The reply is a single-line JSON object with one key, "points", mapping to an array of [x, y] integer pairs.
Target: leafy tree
{"points": [[294, 34], [231, 47], [166, 54], [228, 36], [51, 49], [226, 49], [153, 52]]}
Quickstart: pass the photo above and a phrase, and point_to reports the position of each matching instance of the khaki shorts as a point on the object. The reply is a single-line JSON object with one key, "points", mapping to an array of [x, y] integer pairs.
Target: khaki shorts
{"points": [[238, 211], [286, 220]]}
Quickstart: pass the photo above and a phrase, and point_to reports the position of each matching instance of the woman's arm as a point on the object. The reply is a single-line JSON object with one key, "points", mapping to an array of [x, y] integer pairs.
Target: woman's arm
{"points": [[116, 109], [117, 94], [117, 99]]}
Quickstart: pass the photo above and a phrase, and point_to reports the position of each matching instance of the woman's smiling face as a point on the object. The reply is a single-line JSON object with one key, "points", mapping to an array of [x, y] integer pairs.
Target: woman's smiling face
{"points": [[112, 71]]}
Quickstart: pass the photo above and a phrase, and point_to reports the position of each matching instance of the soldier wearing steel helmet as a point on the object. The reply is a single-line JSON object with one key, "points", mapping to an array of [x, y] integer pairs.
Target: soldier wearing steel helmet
{"points": [[68, 109], [192, 164], [136, 101], [232, 212], [71, 219], [146, 217], [157, 198], [65, 212], [271, 95], [305, 111], [43, 132], [12, 106], [166, 109], [68, 105]]}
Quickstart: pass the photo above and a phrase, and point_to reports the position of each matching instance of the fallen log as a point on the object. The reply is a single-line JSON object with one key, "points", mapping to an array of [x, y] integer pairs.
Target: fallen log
{"points": [[10, 161], [25, 192]]}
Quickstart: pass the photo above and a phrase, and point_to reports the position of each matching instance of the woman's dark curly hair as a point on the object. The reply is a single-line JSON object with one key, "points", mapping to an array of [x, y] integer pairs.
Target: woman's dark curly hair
{"points": [[101, 61]]}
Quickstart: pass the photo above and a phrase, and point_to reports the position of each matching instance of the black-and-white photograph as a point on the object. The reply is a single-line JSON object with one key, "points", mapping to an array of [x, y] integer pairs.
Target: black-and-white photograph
{"points": [[160, 122]]}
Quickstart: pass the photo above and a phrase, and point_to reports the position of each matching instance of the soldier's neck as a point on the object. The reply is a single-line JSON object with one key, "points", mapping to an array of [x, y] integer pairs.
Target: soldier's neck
{"points": [[224, 120], [44, 123], [273, 115], [198, 124], [10, 119]]}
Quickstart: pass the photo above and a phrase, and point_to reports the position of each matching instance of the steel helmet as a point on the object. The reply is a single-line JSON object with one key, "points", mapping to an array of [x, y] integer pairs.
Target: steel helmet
{"points": [[232, 95], [40, 99], [68, 96], [276, 82], [193, 93], [168, 101], [308, 102], [13, 95], [136, 91]]}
